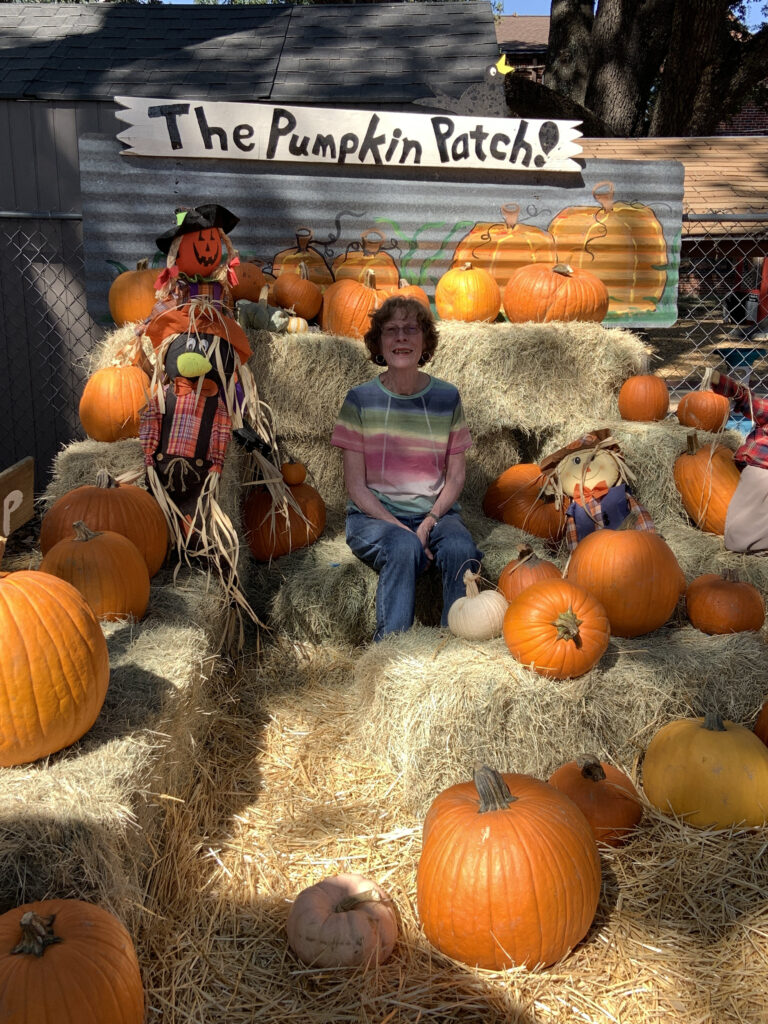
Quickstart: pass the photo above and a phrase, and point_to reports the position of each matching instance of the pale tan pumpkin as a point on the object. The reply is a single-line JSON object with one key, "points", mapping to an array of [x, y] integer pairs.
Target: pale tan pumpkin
{"points": [[478, 615], [344, 921]]}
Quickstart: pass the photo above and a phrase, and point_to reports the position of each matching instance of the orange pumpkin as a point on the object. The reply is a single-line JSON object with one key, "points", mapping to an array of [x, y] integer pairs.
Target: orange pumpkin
{"points": [[606, 796], [509, 872], [271, 534], [250, 281], [54, 670], [469, 294], [516, 498], [67, 960], [106, 568], [347, 307], [722, 604], [344, 921], [706, 478], [112, 401], [644, 398], [289, 259], [293, 473], [542, 293], [503, 247], [293, 290], [525, 570], [353, 264], [200, 252], [621, 243], [132, 294], [407, 291], [108, 505], [704, 410], [633, 573], [557, 628], [761, 725]]}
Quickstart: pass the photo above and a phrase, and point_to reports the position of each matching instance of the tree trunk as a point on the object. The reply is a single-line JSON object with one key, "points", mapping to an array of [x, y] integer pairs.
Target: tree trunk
{"points": [[629, 43], [568, 48]]}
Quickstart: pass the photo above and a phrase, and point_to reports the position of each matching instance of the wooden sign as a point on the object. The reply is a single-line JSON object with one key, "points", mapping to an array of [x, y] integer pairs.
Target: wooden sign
{"points": [[326, 135], [17, 496]]}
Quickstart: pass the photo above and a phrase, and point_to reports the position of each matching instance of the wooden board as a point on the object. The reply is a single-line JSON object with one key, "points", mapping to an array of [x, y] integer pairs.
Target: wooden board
{"points": [[17, 495]]}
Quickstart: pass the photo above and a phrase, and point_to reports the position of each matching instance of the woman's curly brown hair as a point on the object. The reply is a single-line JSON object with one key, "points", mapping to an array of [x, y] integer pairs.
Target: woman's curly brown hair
{"points": [[408, 307]]}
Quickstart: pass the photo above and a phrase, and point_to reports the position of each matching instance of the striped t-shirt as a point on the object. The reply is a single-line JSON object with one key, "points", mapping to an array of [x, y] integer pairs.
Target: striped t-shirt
{"points": [[405, 440]]}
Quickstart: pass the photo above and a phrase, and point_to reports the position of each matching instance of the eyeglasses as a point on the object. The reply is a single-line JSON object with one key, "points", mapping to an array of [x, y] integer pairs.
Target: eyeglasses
{"points": [[393, 330]]}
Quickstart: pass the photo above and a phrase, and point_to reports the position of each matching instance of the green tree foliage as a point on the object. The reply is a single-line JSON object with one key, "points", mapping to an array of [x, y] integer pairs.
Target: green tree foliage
{"points": [[646, 67]]}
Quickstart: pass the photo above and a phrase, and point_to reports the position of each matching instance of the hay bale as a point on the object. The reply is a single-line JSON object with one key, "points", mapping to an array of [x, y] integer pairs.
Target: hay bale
{"points": [[435, 703]]}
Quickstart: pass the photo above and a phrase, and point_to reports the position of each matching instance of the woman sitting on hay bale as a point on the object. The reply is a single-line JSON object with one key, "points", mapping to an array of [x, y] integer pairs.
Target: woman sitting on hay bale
{"points": [[404, 436]]}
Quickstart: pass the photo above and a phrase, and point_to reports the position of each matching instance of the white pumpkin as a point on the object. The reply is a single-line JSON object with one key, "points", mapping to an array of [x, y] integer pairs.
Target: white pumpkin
{"points": [[479, 615]]}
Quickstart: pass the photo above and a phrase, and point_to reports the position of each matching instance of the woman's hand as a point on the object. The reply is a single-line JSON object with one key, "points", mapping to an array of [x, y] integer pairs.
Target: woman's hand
{"points": [[422, 532]]}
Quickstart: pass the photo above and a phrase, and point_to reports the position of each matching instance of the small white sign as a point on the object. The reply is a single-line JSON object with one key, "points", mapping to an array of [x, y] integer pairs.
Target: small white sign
{"points": [[325, 135]]}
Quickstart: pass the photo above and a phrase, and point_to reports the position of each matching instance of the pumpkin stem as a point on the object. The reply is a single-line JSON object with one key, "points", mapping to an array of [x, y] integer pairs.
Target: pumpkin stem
{"points": [[730, 575], [630, 523], [590, 767], [143, 264], [567, 626], [105, 479], [693, 443], [492, 789], [36, 934], [510, 212], [303, 238], [82, 532], [713, 722], [3, 542], [352, 901], [603, 193], [565, 269], [469, 579], [369, 278]]}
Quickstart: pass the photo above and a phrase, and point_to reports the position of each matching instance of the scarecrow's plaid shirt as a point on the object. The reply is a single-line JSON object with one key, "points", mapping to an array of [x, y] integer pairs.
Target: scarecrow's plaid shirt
{"points": [[754, 451], [185, 427], [592, 506]]}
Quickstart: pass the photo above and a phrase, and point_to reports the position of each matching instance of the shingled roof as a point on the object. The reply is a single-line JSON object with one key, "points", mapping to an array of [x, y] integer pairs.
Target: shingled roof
{"points": [[338, 53], [523, 33]]}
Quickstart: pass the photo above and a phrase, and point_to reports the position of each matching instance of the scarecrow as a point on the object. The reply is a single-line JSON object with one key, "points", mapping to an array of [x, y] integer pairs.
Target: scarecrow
{"points": [[591, 478], [746, 521], [201, 391]]}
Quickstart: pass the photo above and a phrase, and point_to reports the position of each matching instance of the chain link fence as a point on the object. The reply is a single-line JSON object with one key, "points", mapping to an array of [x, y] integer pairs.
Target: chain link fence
{"points": [[722, 302], [49, 334], [48, 337]]}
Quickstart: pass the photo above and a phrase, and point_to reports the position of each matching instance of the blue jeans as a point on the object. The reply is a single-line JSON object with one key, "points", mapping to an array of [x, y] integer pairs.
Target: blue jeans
{"points": [[398, 557]]}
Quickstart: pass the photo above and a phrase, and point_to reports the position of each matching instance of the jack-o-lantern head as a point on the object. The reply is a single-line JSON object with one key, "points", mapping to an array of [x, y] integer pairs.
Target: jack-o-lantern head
{"points": [[199, 252], [592, 461]]}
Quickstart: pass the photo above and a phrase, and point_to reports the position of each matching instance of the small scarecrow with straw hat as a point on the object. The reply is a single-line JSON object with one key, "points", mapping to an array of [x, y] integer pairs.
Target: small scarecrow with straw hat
{"points": [[201, 390], [591, 479]]}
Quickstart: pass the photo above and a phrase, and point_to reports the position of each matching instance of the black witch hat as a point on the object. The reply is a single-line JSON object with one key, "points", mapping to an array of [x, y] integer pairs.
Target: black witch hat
{"points": [[210, 215]]}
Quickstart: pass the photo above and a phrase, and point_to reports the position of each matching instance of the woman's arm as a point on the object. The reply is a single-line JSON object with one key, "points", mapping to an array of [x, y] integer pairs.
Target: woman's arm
{"points": [[455, 472], [358, 490]]}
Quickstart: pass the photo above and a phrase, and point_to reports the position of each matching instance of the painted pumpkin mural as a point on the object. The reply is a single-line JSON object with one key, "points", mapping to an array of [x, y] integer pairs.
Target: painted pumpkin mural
{"points": [[621, 243], [303, 252], [503, 247], [367, 254]]}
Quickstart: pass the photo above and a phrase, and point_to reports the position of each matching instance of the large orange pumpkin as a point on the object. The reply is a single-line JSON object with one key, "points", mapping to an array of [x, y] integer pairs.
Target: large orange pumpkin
{"points": [[108, 505], [706, 477], [54, 670], [622, 243], [200, 252], [704, 410], [509, 872], [644, 398], [67, 961], [469, 294], [347, 306], [606, 796], [542, 293], [720, 603], [516, 498], [304, 252], [525, 570], [111, 402], [633, 573], [557, 628], [294, 290], [353, 264], [271, 534], [106, 568], [132, 294], [503, 247], [407, 291], [250, 280]]}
